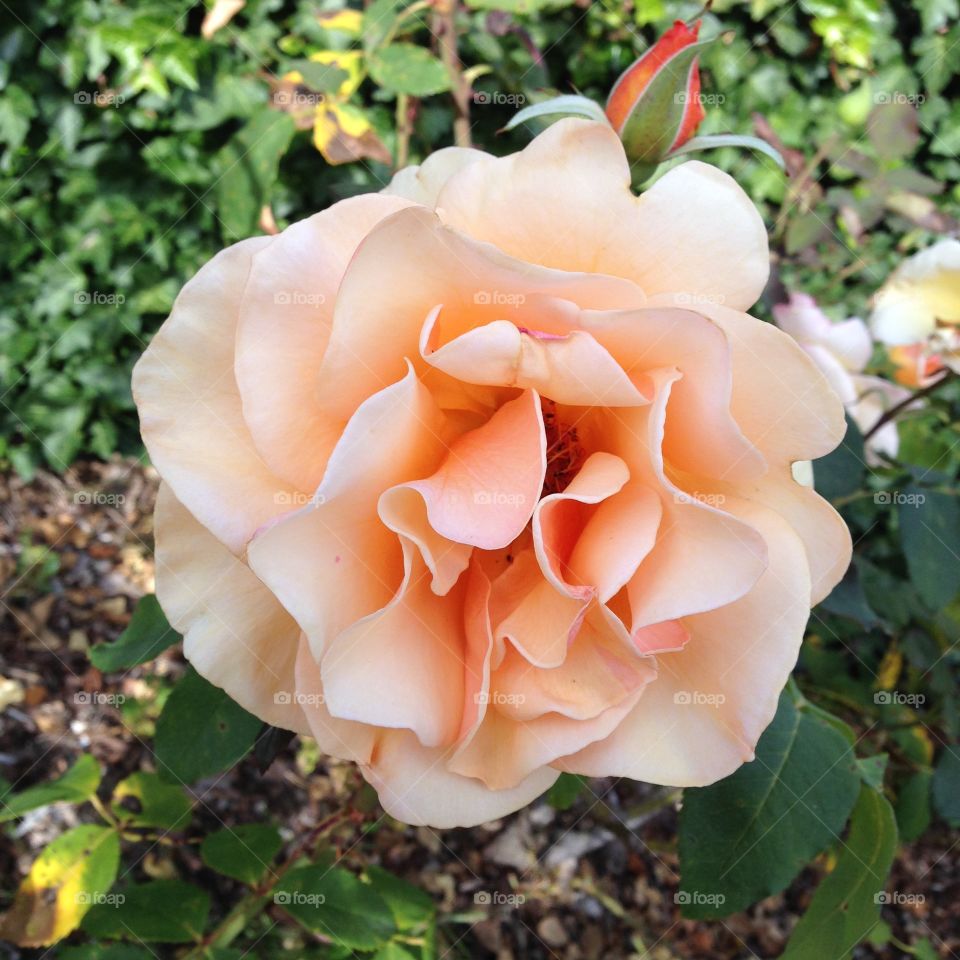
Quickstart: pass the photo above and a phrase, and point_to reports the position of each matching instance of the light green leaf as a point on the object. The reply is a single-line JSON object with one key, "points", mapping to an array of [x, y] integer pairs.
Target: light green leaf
{"points": [[411, 906], [78, 784], [569, 105], [146, 800], [714, 140], [847, 903], [407, 68]]}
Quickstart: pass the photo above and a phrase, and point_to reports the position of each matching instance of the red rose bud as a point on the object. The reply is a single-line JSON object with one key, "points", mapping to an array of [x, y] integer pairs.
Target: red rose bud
{"points": [[655, 105]]}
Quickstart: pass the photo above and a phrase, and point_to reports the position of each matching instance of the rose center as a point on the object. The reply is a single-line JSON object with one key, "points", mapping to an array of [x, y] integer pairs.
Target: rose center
{"points": [[565, 454]]}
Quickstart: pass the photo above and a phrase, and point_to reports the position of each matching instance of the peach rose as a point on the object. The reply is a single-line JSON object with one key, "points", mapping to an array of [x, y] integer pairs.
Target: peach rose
{"points": [[488, 477]]}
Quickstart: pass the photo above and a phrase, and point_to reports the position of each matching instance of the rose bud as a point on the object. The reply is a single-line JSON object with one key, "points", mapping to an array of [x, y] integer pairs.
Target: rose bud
{"points": [[655, 104]]}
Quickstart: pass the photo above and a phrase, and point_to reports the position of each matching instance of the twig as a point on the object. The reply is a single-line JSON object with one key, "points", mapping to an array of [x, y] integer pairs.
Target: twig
{"points": [[903, 404], [446, 32]]}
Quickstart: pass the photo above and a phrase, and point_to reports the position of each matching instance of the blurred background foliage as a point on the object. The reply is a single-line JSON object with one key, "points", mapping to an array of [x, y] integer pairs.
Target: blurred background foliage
{"points": [[132, 147]]}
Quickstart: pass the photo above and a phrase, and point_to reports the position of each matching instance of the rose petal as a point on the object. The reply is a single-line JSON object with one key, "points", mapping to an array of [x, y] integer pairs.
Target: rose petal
{"points": [[190, 412], [681, 732], [285, 317], [422, 183], [235, 633], [333, 561], [694, 230]]}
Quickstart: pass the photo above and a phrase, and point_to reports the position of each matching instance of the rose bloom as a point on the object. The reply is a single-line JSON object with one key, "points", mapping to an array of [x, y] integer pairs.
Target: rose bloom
{"points": [[842, 351], [488, 477], [917, 312]]}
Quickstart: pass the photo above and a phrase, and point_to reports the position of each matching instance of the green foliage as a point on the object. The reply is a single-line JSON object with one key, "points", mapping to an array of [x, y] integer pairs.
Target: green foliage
{"points": [[244, 853], [201, 731], [160, 911], [147, 635], [749, 835], [847, 903], [145, 800], [79, 783]]}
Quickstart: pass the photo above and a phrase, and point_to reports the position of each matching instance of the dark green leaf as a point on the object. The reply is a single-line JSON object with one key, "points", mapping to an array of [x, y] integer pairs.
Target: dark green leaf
{"points": [[146, 637], [161, 911], [946, 785], [201, 731], [332, 902], [930, 534], [248, 165], [749, 835], [913, 805], [245, 852], [565, 790], [841, 472]]}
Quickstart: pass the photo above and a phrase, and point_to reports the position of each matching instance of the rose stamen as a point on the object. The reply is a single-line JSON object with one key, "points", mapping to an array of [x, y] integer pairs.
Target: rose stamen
{"points": [[565, 455]]}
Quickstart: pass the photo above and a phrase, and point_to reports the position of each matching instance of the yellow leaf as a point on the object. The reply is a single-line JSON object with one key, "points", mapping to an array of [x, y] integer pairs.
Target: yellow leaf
{"points": [[890, 667], [342, 133], [347, 20], [349, 60], [72, 874]]}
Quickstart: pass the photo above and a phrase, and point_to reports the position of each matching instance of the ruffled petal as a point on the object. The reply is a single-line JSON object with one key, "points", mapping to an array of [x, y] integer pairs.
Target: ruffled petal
{"points": [[703, 715], [191, 417], [285, 317], [423, 182], [694, 231], [235, 632], [333, 561]]}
